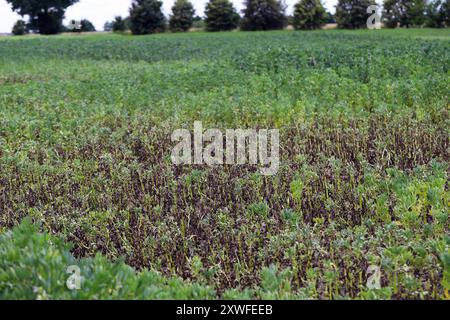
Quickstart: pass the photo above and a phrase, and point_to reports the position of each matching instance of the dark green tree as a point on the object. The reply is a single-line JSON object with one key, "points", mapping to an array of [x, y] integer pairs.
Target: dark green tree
{"points": [[46, 16], [433, 14], [87, 26], [263, 15], [404, 13], [146, 17], [352, 14], [445, 12], [221, 16], [198, 22], [20, 28], [390, 14], [182, 16], [119, 24], [437, 13], [330, 17], [414, 13], [309, 15]]}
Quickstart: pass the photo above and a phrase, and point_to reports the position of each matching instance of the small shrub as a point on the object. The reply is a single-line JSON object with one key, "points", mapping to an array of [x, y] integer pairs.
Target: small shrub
{"points": [[20, 28]]}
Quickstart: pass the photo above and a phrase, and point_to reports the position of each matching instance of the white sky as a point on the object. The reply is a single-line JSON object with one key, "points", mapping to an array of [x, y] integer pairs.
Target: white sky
{"points": [[100, 11]]}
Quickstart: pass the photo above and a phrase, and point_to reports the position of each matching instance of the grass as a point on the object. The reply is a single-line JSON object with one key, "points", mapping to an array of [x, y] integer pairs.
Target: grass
{"points": [[363, 115]]}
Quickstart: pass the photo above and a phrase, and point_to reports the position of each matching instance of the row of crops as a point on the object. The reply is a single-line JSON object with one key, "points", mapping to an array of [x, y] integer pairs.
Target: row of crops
{"points": [[85, 150]]}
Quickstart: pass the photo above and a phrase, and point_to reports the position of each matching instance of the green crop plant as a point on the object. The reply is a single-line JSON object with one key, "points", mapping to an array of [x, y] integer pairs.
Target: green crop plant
{"points": [[85, 146]]}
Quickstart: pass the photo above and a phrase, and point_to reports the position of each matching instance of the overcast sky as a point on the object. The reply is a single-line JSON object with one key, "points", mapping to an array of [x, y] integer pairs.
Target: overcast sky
{"points": [[100, 11]]}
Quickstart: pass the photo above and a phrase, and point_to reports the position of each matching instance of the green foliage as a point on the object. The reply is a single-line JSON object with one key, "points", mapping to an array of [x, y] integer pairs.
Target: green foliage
{"points": [[390, 14], [20, 28], [198, 23], [108, 26], [330, 18], [182, 16], [413, 13], [437, 13], [87, 26], [263, 15], [45, 15], [35, 266], [404, 13], [275, 284], [309, 15], [352, 14], [119, 24], [146, 17], [221, 16], [47, 22], [363, 179], [445, 12]]}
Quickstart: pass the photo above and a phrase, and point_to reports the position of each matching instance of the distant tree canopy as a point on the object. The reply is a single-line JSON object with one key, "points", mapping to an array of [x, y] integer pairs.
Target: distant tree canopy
{"points": [[182, 16], [221, 16], [404, 13], [445, 10], [146, 17], [119, 24], [108, 26], [390, 14], [85, 26], [20, 28], [309, 15], [437, 14], [352, 14], [46, 16], [330, 17], [198, 22], [263, 15], [433, 14]]}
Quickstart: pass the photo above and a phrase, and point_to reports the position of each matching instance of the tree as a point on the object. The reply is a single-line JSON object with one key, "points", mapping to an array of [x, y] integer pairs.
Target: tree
{"points": [[46, 16], [87, 26], [221, 16], [309, 15], [264, 15], [433, 14], [330, 18], [146, 17], [414, 13], [390, 13], [445, 12], [84, 26], [182, 16], [119, 24], [437, 13], [352, 14], [108, 26], [404, 13], [198, 22], [20, 28]]}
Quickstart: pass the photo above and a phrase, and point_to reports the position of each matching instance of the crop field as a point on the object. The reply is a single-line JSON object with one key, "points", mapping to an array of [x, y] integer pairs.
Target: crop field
{"points": [[362, 191]]}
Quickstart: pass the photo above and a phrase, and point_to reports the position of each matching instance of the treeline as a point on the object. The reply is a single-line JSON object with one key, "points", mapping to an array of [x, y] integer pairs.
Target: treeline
{"points": [[416, 13], [146, 16]]}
